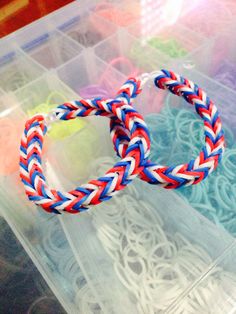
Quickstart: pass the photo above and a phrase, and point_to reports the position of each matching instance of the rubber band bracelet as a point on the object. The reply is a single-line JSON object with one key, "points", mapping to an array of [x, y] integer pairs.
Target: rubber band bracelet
{"points": [[95, 191], [196, 170]]}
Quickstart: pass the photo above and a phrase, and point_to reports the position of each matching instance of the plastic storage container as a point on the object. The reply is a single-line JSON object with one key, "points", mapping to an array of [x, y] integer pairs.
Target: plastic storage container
{"points": [[147, 250]]}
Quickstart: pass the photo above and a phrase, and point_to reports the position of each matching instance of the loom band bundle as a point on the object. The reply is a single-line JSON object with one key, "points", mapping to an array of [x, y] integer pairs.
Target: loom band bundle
{"points": [[196, 170], [223, 188], [86, 301], [172, 272], [220, 16], [204, 197], [9, 141], [12, 79], [111, 217], [67, 266], [174, 126], [224, 218], [162, 123], [225, 73], [86, 38], [187, 118], [160, 143], [95, 191], [127, 275], [116, 15], [119, 62], [170, 46], [229, 164], [54, 244], [140, 55]]}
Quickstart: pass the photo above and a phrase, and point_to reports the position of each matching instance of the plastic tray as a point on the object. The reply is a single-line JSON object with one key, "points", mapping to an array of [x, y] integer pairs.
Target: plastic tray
{"points": [[85, 259]]}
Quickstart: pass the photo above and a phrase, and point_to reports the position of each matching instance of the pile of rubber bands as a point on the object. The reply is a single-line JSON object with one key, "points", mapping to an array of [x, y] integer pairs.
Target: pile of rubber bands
{"points": [[154, 263], [215, 198], [146, 257], [226, 73], [59, 255], [220, 15]]}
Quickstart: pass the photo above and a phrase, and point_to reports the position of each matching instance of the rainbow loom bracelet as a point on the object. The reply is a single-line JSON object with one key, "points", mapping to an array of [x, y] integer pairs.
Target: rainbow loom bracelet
{"points": [[131, 141], [196, 170], [95, 191]]}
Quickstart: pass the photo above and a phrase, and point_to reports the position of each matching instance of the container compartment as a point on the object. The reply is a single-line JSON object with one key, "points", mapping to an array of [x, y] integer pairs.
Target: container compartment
{"points": [[129, 55], [16, 70], [173, 41], [116, 14], [223, 65], [54, 50], [89, 29], [217, 58], [97, 78], [20, 278], [219, 16], [69, 14], [47, 46], [148, 244]]}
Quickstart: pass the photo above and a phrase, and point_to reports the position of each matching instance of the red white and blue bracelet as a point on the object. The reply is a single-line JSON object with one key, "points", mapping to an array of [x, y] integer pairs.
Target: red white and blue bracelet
{"points": [[95, 191], [131, 141], [172, 177]]}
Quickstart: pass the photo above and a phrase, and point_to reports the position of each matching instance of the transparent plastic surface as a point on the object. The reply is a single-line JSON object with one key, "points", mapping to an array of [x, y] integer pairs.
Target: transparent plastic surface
{"points": [[217, 287], [143, 246], [130, 55], [17, 69], [20, 278], [53, 52], [89, 29], [221, 66], [219, 16], [174, 45], [147, 250]]}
